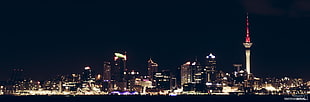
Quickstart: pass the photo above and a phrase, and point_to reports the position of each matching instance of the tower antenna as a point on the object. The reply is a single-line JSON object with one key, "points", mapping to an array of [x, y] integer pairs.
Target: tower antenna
{"points": [[247, 38]]}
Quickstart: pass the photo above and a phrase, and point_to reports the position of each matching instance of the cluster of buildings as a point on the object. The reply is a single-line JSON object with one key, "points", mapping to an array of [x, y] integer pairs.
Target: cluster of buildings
{"points": [[191, 78]]}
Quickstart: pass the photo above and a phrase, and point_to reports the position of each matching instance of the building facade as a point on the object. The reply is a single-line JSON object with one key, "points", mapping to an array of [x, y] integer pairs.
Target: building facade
{"points": [[152, 68]]}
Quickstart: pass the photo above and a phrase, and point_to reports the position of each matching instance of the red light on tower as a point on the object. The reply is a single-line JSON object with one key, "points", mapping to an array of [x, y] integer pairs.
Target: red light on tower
{"points": [[247, 38]]}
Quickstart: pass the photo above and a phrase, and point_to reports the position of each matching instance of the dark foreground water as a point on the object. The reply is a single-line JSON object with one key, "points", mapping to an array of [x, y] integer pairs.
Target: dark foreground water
{"points": [[143, 99]]}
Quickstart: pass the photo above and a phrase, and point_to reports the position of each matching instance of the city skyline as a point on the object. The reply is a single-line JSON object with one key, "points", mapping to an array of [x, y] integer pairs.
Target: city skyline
{"points": [[46, 42]]}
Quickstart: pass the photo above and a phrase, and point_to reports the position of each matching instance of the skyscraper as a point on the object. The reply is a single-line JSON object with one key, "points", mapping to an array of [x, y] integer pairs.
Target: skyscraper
{"points": [[192, 73], [107, 71], [193, 76], [119, 67], [247, 44], [107, 75], [118, 71], [197, 72], [88, 79], [87, 74], [152, 68], [186, 73], [210, 67]]}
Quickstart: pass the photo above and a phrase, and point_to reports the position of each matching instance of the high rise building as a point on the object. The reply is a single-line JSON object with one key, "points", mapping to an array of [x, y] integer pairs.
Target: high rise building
{"points": [[152, 68], [197, 72], [186, 73], [107, 75], [247, 44], [177, 76], [107, 71], [87, 74], [119, 67], [88, 84], [192, 73], [118, 71], [163, 80], [87, 78], [210, 67], [193, 76]]}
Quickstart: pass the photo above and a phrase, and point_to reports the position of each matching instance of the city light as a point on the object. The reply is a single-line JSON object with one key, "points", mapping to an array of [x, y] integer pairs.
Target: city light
{"points": [[210, 56], [194, 63], [187, 63], [200, 76], [119, 55], [86, 68]]}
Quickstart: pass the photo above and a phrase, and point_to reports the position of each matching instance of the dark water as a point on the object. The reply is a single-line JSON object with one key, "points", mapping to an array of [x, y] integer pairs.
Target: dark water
{"points": [[142, 99]]}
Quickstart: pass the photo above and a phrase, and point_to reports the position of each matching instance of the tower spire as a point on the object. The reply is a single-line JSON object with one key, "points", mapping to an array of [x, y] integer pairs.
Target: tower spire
{"points": [[150, 60], [247, 38]]}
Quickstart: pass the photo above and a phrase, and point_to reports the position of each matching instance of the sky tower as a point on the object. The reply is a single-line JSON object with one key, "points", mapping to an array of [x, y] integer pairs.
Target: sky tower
{"points": [[247, 44]]}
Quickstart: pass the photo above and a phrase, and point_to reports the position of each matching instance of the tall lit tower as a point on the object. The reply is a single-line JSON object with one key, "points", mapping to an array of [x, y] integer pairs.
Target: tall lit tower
{"points": [[119, 71], [152, 68], [247, 44], [119, 67], [210, 67]]}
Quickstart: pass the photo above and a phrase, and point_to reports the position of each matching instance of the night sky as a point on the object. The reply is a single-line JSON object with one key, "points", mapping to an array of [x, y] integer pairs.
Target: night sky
{"points": [[47, 38]]}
